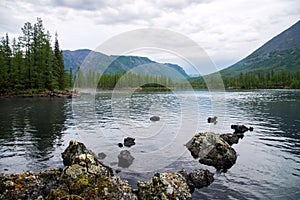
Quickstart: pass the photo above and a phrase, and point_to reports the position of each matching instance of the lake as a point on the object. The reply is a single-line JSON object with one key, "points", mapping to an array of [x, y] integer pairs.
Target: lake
{"points": [[35, 131]]}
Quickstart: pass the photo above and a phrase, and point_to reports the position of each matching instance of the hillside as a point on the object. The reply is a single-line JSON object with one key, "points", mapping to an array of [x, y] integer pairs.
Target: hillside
{"points": [[281, 53], [140, 65]]}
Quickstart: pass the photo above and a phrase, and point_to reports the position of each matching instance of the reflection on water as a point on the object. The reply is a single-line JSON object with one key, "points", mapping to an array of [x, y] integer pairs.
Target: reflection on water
{"points": [[35, 131], [31, 129]]}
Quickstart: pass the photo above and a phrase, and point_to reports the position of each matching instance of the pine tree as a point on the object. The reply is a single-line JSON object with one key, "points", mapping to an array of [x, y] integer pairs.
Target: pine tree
{"points": [[59, 65]]}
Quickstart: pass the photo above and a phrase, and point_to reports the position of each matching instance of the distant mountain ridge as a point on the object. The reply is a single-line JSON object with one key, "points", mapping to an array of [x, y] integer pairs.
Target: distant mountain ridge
{"points": [[281, 53], [141, 65]]}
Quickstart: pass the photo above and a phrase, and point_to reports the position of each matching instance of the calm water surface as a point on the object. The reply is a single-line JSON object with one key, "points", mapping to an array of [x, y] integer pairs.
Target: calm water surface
{"points": [[35, 131]]}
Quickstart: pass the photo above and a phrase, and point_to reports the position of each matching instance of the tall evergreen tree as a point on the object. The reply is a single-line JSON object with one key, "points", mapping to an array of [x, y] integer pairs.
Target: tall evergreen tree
{"points": [[59, 65]]}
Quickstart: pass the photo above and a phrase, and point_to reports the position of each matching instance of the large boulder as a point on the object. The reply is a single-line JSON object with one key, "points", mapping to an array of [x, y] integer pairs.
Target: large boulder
{"points": [[212, 150], [78, 159], [164, 186], [86, 177]]}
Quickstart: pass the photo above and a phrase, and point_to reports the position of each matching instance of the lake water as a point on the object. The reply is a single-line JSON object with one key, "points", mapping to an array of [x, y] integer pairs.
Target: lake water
{"points": [[34, 132]]}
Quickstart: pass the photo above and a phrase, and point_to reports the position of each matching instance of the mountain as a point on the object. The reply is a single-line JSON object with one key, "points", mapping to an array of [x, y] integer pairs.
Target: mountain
{"points": [[281, 53], [96, 61]]}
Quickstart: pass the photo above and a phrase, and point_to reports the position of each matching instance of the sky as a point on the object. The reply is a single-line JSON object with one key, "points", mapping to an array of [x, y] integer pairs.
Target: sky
{"points": [[227, 30]]}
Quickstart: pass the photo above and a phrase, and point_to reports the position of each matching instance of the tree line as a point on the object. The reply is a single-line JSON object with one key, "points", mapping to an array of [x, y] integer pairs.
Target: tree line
{"points": [[269, 79], [30, 62], [251, 80], [91, 79]]}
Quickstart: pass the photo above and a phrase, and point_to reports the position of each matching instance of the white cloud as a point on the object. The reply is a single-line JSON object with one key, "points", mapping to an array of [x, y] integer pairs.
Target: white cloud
{"points": [[227, 30]]}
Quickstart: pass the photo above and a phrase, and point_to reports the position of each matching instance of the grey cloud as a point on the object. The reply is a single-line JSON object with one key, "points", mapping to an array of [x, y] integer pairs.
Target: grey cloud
{"points": [[89, 5]]}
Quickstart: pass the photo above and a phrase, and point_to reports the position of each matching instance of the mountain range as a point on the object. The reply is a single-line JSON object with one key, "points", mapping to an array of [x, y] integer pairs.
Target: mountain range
{"points": [[281, 53], [99, 62]]}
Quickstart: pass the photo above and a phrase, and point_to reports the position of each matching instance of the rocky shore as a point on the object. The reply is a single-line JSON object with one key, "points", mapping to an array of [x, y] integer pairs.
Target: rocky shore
{"points": [[86, 177], [39, 94]]}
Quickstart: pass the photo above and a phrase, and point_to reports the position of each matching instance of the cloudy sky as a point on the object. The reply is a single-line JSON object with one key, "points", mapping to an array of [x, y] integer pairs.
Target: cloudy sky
{"points": [[227, 30]]}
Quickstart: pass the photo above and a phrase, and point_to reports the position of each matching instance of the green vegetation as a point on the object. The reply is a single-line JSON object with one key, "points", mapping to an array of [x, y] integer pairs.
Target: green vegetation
{"points": [[29, 63], [278, 61], [251, 80], [92, 79]]}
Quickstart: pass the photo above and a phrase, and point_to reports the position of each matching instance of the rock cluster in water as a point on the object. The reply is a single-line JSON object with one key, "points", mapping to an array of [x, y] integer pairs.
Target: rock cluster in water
{"points": [[85, 177], [215, 149]]}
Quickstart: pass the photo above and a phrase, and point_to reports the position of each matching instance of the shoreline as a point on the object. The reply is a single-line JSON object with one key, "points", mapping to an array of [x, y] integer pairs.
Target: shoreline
{"points": [[39, 94]]}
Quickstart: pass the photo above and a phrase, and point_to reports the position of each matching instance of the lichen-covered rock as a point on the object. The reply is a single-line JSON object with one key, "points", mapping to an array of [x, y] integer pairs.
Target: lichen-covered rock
{"points": [[125, 159], [28, 185], [164, 186], [78, 159], [92, 187], [212, 150]]}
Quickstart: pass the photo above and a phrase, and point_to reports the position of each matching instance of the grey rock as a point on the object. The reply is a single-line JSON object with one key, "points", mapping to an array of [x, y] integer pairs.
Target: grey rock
{"points": [[232, 138], [78, 159], [212, 150], [212, 120], [129, 141], [155, 118], [164, 186], [241, 128], [125, 159], [101, 156]]}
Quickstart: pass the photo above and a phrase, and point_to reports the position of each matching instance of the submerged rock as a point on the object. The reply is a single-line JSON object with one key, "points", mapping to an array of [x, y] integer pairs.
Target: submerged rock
{"points": [[129, 141], [212, 120], [212, 150], [101, 156], [164, 186], [241, 128], [125, 159], [155, 118]]}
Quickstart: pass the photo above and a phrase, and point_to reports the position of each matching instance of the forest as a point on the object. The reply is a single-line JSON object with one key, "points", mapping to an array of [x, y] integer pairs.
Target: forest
{"points": [[30, 63], [91, 79], [251, 80]]}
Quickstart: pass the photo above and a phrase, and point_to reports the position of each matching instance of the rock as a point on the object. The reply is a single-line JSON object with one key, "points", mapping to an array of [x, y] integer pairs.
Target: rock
{"points": [[198, 178], [125, 159], [101, 156], [232, 138], [86, 187], [128, 142], [78, 159], [212, 150], [212, 120], [241, 128], [164, 186], [28, 185], [155, 118], [120, 145]]}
